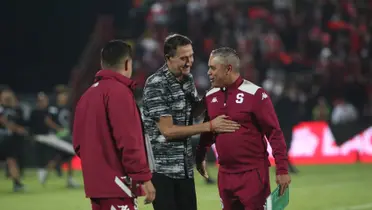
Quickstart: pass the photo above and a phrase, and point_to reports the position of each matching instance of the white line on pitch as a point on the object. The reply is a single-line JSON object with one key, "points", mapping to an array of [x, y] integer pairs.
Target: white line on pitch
{"points": [[356, 207]]}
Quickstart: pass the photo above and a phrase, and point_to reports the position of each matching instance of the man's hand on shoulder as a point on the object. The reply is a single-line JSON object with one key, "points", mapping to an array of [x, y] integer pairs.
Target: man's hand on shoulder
{"points": [[283, 180]]}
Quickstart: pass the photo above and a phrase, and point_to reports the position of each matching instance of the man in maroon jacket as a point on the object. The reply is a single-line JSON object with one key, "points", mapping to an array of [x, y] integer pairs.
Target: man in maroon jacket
{"points": [[108, 137], [243, 178]]}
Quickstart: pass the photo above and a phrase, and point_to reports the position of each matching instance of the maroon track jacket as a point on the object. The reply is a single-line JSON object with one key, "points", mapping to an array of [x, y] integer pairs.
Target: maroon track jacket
{"points": [[246, 148], [108, 137]]}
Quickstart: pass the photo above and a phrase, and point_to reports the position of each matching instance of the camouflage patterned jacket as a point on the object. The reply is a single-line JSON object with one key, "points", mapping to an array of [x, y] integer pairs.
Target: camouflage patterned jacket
{"points": [[164, 96]]}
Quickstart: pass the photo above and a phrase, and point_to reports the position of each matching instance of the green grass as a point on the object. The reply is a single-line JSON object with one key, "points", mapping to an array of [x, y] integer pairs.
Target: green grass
{"points": [[335, 187]]}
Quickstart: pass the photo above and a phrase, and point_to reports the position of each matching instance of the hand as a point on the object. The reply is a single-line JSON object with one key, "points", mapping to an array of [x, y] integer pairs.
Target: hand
{"points": [[149, 189], [222, 125], [283, 181], [202, 168]]}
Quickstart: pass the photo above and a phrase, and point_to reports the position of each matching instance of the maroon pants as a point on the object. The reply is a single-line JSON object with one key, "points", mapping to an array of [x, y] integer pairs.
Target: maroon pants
{"points": [[244, 191], [114, 203]]}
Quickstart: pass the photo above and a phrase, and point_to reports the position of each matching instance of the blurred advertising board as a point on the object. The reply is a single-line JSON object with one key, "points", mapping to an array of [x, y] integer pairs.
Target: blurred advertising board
{"points": [[314, 143]]}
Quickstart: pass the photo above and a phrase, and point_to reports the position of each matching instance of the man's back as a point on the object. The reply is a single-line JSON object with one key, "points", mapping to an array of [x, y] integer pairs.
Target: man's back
{"points": [[101, 138]]}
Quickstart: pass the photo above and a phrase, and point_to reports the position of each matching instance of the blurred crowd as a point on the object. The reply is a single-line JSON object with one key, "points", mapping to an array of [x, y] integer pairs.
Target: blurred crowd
{"points": [[315, 51]]}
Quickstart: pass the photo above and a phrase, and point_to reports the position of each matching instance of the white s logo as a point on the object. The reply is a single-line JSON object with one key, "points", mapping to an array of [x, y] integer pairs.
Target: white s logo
{"points": [[239, 98]]}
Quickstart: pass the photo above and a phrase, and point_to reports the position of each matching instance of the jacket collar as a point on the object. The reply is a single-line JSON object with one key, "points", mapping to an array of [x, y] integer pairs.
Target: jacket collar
{"points": [[108, 74], [234, 85]]}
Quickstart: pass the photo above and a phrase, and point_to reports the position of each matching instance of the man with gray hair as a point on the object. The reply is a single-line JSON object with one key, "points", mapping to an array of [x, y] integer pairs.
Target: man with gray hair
{"points": [[243, 178]]}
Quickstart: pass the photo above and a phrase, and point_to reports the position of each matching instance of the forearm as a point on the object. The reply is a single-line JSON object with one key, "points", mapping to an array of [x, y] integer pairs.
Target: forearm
{"points": [[279, 149], [134, 161], [175, 132], [206, 141]]}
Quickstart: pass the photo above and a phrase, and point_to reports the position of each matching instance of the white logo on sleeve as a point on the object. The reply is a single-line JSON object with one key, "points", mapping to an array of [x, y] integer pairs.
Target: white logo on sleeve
{"points": [[264, 95], [123, 207], [239, 98], [95, 84], [214, 100], [112, 208]]}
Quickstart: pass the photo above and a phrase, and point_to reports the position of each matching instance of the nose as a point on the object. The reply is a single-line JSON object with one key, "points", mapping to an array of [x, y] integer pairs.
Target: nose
{"points": [[209, 72], [190, 60]]}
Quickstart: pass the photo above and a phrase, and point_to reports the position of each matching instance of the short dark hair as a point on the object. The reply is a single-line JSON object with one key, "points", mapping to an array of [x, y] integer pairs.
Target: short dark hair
{"points": [[172, 42], [114, 52]]}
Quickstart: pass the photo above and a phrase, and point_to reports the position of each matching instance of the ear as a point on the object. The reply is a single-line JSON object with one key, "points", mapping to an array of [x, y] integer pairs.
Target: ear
{"points": [[228, 69]]}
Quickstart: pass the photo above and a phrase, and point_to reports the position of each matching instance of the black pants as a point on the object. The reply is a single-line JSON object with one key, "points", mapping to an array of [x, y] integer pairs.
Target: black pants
{"points": [[174, 194]]}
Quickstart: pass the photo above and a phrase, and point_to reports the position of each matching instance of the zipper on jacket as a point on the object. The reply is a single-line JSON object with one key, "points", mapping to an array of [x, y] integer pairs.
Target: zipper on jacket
{"points": [[226, 95]]}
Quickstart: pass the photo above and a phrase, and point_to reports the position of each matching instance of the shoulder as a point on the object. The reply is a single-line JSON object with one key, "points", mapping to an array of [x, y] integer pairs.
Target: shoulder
{"points": [[119, 93], [212, 91], [250, 88], [154, 85], [107, 88], [155, 79], [254, 90]]}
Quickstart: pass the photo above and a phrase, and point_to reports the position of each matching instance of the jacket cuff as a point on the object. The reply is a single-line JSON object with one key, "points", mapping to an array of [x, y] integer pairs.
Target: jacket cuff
{"points": [[282, 169], [144, 177]]}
